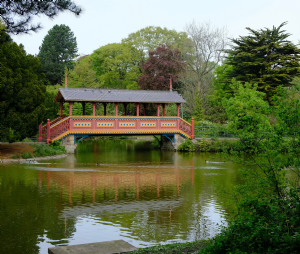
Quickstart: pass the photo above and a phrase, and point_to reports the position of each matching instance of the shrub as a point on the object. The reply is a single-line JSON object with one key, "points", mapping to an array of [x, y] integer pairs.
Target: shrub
{"points": [[27, 155], [42, 150], [204, 145], [27, 140], [187, 145], [16, 156]]}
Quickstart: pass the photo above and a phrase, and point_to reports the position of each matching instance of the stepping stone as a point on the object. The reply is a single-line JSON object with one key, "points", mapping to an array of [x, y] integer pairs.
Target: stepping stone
{"points": [[109, 247]]}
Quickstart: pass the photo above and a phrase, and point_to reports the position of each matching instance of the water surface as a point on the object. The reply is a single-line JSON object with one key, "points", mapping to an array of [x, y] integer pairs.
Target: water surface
{"points": [[137, 194]]}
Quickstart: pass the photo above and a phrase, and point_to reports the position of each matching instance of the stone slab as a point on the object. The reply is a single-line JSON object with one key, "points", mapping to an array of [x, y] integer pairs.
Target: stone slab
{"points": [[109, 247]]}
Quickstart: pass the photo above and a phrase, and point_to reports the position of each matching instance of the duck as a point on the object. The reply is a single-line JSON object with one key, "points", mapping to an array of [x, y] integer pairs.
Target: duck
{"points": [[98, 164], [207, 161]]}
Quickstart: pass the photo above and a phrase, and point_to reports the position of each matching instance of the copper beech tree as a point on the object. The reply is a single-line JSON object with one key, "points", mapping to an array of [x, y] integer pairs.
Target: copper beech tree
{"points": [[163, 63]]}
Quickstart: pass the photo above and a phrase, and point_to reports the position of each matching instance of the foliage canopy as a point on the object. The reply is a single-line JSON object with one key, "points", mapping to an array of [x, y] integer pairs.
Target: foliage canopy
{"points": [[117, 65], [163, 63], [22, 91], [57, 52], [17, 14], [266, 58]]}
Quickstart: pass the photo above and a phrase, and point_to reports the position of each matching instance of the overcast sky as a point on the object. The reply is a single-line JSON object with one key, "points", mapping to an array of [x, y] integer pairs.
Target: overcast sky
{"points": [[109, 21]]}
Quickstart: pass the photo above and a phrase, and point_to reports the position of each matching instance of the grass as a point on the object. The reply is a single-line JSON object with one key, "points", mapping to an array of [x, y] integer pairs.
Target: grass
{"points": [[42, 150], [27, 155], [174, 248]]}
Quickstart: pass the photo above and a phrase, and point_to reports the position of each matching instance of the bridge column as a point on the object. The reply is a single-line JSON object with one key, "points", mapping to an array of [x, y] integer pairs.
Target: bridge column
{"points": [[69, 143], [193, 134], [48, 130], [70, 108], [137, 109], [116, 109], [178, 109], [158, 109], [164, 109]]}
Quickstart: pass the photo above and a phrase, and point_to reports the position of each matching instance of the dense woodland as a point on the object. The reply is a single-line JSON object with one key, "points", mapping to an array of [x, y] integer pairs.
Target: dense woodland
{"points": [[249, 84]]}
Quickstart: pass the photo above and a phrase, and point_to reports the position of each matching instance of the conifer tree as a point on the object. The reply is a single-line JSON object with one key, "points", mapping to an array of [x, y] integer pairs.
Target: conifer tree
{"points": [[57, 52], [266, 58], [17, 14]]}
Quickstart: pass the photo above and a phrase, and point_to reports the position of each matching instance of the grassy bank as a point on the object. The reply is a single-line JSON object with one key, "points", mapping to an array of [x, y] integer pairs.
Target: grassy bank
{"points": [[40, 150], [205, 145], [175, 248]]}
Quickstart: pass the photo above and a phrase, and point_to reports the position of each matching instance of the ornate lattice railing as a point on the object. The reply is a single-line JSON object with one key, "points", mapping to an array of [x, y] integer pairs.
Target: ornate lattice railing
{"points": [[185, 127], [129, 125]]}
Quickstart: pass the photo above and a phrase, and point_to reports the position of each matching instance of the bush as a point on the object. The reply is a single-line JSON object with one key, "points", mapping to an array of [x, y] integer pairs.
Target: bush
{"points": [[42, 150], [27, 155], [204, 145], [27, 140], [16, 156], [262, 226], [187, 145]]}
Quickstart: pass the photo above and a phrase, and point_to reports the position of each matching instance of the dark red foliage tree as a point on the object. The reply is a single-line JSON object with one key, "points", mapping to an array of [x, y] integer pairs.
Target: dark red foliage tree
{"points": [[163, 63]]}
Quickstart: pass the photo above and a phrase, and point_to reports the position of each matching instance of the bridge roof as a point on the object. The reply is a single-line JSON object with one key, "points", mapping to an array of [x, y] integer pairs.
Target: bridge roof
{"points": [[116, 95]]}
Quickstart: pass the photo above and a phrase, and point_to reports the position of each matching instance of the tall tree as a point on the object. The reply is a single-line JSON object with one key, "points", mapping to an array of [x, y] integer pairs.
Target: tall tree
{"points": [[163, 63], [17, 15], [83, 74], [117, 65], [149, 38], [57, 52], [264, 57], [22, 91], [208, 44]]}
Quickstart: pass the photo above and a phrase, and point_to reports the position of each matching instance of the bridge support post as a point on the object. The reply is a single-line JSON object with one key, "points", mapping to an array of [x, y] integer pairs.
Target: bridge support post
{"points": [[69, 144], [193, 129], [48, 130], [171, 142]]}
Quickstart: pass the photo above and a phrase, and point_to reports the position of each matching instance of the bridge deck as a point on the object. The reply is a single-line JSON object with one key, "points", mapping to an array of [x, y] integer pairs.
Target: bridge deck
{"points": [[114, 125]]}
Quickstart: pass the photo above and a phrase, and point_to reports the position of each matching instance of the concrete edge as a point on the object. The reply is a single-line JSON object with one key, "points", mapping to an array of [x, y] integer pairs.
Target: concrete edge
{"points": [[34, 159]]}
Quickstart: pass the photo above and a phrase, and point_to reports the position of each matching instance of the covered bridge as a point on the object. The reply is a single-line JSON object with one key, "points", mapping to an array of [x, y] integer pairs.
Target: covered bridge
{"points": [[140, 123]]}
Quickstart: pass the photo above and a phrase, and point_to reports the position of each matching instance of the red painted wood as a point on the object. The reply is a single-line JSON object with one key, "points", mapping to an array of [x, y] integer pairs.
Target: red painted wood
{"points": [[70, 108], [178, 109], [137, 109], [94, 108], [170, 83], [158, 109], [48, 130], [164, 109], [116, 109], [193, 134], [116, 124]]}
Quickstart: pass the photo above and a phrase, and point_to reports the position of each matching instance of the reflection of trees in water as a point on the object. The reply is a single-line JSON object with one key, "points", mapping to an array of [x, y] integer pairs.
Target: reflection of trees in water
{"points": [[27, 213]]}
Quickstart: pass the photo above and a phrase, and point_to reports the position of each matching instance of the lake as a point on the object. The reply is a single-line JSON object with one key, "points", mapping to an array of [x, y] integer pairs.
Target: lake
{"points": [[136, 193]]}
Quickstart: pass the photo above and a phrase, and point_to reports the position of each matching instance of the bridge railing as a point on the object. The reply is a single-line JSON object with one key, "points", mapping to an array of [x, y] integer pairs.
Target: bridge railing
{"points": [[114, 125]]}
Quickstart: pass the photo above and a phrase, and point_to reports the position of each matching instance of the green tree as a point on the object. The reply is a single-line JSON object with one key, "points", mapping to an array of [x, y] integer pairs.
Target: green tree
{"points": [[83, 74], [17, 15], [267, 202], [22, 90], [117, 65], [57, 52], [149, 38], [266, 58]]}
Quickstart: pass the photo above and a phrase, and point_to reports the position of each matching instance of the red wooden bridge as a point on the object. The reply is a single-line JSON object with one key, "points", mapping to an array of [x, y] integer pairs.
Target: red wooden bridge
{"points": [[83, 125]]}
